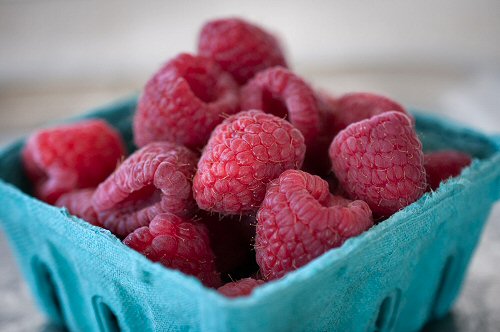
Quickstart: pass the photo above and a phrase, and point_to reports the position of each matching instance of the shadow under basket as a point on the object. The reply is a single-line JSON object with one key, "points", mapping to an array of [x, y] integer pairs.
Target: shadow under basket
{"points": [[394, 277]]}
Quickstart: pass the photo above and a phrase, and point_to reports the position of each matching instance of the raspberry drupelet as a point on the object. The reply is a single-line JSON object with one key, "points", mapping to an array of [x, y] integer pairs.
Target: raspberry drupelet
{"points": [[79, 203], [156, 178], [300, 219], [280, 92], [445, 164], [240, 47], [72, 156], [177, 243], [184, 101], [243, 287], [380, 161], [243, 155]]}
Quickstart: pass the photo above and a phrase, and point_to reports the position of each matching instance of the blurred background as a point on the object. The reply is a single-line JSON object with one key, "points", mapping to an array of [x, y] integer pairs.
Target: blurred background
{"points": [[58, 58], [61, 58]]}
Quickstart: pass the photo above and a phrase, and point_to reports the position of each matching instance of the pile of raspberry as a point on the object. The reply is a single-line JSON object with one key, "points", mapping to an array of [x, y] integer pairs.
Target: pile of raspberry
{"points": [[243, 171]]}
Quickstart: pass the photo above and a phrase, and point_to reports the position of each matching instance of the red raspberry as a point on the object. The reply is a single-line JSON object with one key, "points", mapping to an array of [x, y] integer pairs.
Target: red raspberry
{"points": [[317, 160], [299, 220], [79, 203], [357, 106], [327, 104], [380, 161], [442, 165], [241, 48], [243, 287], [156, 178], [184, 101], [73, 156], [280, 92], [244, 153], [179, 244]]}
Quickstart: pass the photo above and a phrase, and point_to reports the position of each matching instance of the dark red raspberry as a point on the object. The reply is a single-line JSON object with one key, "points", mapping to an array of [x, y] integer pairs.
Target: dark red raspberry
{"points": [[184, 101], [380, 161], [327, 104], [73, 156], [357, 106], [442, 165], [299, 220], [244, 153], [280, 92], [179, 244], [156, 178], [241, 48], [243, 287], [232, 242], [317, 160], [79, 203]]}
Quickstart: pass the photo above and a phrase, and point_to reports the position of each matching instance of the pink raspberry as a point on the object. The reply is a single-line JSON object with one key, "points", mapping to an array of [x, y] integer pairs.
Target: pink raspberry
{"points": [[380, 161], [357, 106], [156, 178], [243, 287], [299, 220], [184, 101], [177, 243], [73, 156], [244, 153], [79, 203], [442, 165], [280, 92], [241, 48]]}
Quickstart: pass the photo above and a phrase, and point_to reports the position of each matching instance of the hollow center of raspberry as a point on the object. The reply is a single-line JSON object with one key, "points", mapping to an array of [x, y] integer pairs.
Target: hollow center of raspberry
{"points": [[203, 86], [274, 105], [141, 198]]}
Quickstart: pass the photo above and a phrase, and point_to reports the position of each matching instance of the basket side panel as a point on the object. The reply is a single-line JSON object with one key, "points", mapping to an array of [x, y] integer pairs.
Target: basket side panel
{"points": [[69, 264], [398, 275]]}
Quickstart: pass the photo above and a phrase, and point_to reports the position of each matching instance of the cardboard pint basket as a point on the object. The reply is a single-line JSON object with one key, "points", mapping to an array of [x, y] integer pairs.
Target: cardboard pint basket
{"points": [[394, 277]]}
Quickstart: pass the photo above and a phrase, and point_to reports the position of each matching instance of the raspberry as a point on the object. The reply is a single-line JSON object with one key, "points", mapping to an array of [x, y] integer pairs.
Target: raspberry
{"points": [[244, 153], [74, 156], [280, 92], [232, 243], [79, 203], [184, 101], [156, 178], [441, 165], [179, 244], [241, 287], [241, 48], [299, 220], [317, 160], [354, 107], [380, 161]]}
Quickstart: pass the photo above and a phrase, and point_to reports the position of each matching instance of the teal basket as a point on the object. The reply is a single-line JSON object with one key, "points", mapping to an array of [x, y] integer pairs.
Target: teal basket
{"points": [[395, 277]]}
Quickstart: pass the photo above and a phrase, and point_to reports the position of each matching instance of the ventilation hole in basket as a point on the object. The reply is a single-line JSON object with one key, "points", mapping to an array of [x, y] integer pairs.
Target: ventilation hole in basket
{"points": [[106, 318], [442, 297], [47, 290], [388, 312]]}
